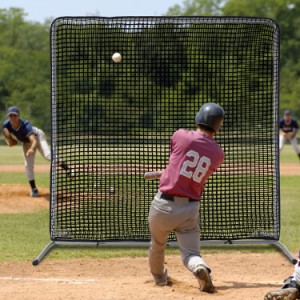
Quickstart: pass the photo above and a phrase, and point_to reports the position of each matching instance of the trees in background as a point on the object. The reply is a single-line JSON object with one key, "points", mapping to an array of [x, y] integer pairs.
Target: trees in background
{"points": [[25, 55], [25, 67], [285, 13]]}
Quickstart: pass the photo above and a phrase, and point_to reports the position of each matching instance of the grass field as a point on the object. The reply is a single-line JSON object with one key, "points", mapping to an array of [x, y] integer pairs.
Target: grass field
{"points": [[24, 235], [288, 155]]}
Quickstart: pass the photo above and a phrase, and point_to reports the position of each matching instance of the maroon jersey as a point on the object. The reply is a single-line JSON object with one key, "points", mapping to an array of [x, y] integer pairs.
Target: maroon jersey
{"points": [[194, 157]]}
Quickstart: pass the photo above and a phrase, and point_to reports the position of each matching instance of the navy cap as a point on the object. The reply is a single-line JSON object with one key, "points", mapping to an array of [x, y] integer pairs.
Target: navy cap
{"points": [[287, 112], [13, 110]]}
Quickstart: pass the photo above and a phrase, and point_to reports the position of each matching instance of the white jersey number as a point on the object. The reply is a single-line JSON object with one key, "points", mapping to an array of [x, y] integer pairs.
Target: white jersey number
{"points": [[199, 166]]}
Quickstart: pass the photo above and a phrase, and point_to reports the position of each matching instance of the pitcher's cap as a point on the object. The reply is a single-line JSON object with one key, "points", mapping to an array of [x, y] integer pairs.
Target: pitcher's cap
{"points": [[13, 110]]}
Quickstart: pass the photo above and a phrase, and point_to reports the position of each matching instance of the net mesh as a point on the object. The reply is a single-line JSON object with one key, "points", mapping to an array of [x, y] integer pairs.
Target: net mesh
{"points": [[112, 122]]}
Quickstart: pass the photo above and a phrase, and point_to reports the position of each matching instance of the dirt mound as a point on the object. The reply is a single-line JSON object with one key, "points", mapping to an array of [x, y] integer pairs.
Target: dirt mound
{"points": [[15, 198]]}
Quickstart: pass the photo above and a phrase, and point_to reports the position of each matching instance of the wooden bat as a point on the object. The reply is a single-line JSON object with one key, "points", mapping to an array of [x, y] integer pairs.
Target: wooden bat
{"points": [[152, 175]]}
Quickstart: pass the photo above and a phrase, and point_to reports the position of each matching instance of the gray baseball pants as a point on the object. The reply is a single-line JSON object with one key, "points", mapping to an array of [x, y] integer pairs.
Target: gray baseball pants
{"points": [[42, 147], [181, 216]]}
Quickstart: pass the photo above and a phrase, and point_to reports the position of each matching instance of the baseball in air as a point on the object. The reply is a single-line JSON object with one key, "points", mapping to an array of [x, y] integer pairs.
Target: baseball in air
{"points": [[116, 57]]}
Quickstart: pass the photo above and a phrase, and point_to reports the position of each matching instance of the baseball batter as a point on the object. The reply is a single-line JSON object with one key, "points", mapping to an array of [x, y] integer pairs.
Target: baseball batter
{"points": [[32, 138], [194, 156], [291, 286], [288, 127]]}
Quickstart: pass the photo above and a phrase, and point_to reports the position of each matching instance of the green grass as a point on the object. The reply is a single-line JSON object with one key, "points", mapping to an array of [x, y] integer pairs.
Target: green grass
{"points": [[24, 235], [288, 154], [14, 156], [42, 179], [290, 211]]}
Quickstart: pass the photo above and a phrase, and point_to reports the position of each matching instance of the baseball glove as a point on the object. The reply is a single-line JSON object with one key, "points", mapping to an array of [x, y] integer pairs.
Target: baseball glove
{"points": [[10, 141], [289, 291], [283, 294]]}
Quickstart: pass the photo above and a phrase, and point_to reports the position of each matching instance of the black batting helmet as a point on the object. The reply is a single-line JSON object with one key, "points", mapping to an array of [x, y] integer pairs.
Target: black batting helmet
{"points": [[210, 115]]}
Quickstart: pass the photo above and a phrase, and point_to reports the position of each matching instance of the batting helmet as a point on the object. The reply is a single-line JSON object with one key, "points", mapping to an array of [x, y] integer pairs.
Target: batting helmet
{"points": [[210, 115]]}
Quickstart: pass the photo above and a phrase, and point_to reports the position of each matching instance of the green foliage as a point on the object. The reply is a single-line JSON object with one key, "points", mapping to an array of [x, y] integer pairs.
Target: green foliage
{"points": [[288, 17], [25, 68], [196, 8], [286, 14], [25, 63], [166, 74]]}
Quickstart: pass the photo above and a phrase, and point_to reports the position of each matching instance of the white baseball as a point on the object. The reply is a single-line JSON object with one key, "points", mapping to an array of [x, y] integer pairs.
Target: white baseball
{"points": [[116, 57]]}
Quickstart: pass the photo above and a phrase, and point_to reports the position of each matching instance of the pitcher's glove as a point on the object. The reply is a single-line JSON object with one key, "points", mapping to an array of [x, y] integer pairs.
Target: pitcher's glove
{"points": [[289, 291], [9, 139]]}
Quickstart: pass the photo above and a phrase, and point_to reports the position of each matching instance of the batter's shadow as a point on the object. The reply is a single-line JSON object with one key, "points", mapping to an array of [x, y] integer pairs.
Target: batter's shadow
{"points": [[231, 285], [245, 285]]}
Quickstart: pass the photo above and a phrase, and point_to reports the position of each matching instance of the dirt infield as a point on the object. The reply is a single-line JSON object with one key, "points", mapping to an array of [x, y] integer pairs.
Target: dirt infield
{"points": [[235, 275], [247, 276], [289, 169], [14, 198]]}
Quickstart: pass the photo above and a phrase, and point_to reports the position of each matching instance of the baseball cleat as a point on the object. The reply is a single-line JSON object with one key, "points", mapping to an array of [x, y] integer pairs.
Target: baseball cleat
{"points": [[204, 280], [168, 281], [163, 279], [283, 294], [34, 193]]}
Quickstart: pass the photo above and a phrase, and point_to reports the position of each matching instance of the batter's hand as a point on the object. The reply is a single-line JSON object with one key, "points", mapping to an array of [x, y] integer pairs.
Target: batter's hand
{"points": [[10, 141]]}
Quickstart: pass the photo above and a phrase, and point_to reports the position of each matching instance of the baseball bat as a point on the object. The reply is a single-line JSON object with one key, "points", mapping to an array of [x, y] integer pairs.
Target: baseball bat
{"points": [[152, 175]]}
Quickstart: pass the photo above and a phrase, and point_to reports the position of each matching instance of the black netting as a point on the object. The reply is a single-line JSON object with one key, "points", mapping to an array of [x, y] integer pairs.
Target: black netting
{"points": [[112, 122]]}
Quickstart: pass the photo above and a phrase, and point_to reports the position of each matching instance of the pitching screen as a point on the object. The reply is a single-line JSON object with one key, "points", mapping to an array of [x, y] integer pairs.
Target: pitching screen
{"points": [[113, 121]]}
